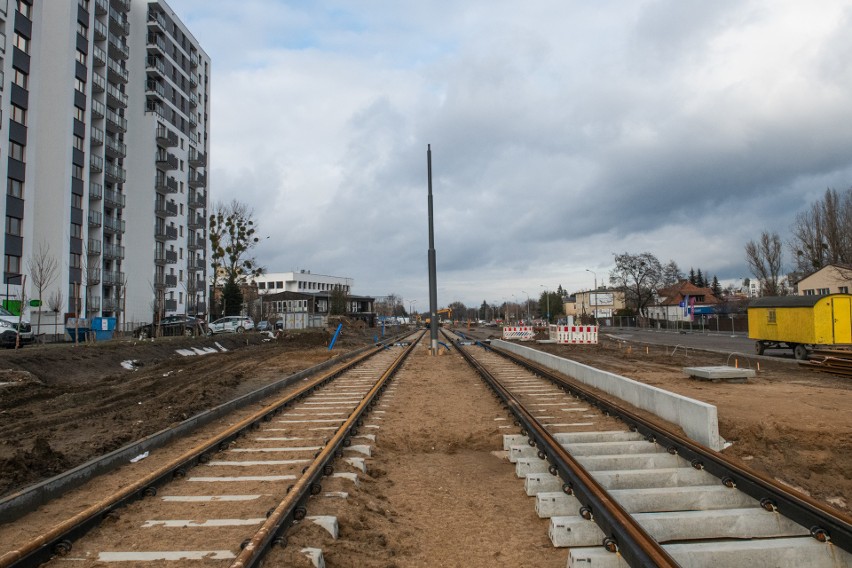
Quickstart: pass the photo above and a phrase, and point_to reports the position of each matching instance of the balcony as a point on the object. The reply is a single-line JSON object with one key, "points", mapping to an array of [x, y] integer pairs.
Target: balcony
{"points": [[166, 208], [193, 82], [118, 123], [113, 278], [197, 243], [97, 135], [195, 264], [99, 56], [117, 48], [166, 160], [155, 66], [93, 276], [115, 173], [94, 247], [166, 233], [156, 43], [99, 82], [116, 72], [116, 97], [101, 7], [155, 18], [95, 218], [196, 158], [96, 164], [154, 88], [166, 185], [114, 198], [122, 5], [93, 303], [98, 109], [112, 225], [155, 106], [193, 60], [116, 148], [193, 100], [118, 23], [193, 122], [96, 191], [197, 222], [171, 305], [197, 180], [165, 257], [166, 137], [113, 252], [110, 305]]}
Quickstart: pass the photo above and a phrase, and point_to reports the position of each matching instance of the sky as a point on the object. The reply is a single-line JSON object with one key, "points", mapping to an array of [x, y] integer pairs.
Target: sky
{"points": [[562, 132]]}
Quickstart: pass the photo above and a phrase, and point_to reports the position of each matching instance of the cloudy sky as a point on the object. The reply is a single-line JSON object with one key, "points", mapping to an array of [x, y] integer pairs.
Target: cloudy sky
{"points": [[562, 132]]}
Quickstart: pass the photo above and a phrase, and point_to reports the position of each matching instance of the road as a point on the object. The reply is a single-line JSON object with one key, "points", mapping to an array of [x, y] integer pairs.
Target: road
{"points": [[711, 341]]}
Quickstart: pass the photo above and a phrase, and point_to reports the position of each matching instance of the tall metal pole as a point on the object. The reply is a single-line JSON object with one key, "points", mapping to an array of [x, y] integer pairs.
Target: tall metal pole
{"points": [[433, 279]]}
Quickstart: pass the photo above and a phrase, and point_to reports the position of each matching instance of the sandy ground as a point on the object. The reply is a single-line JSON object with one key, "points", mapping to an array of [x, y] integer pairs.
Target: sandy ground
{"points": [[418, 503]]}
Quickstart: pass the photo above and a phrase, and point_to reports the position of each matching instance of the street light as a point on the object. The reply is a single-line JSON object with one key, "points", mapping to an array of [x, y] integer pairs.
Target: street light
{"points": [[514, 301], [547, 295], [411, 311], [528, 306], [594, 309]]}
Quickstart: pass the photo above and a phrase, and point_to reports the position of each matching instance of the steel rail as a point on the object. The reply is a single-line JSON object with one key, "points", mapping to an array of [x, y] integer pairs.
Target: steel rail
{"points": [[59, 540], [824, 523], [291, 508], [625, 536]]}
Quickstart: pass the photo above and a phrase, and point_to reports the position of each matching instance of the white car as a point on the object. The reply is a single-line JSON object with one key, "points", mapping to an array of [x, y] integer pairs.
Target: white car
{"points": [[230, 324], [9, 329]]}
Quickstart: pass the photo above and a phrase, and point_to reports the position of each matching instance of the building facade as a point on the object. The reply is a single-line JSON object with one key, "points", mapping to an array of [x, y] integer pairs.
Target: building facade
{"points": [[302, 281], [831, 279], [105, 104]]}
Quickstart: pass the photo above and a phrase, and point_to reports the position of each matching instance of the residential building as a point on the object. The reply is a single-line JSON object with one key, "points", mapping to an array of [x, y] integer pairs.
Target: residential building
{"points": [[831, 279], [108, 120], [311, 309], [682, 302], [599, 304]]}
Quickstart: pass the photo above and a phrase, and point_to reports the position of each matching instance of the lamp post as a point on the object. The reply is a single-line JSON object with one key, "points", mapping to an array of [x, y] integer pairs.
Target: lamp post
{"points": [[411, 311], [528, 306], [594, 309], [547, 295], [514, 301]]}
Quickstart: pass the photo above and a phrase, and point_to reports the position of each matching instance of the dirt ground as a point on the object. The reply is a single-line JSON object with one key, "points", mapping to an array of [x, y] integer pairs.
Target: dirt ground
{"points": [[68, 404]]}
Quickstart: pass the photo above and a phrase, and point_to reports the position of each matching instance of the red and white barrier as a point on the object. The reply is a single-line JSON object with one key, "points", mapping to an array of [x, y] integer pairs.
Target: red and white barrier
{"points": [[574, 334], [519, 332]]}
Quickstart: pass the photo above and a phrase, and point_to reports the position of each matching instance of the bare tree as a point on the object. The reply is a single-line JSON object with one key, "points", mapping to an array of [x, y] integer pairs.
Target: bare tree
{"points": [[639, 276], [55, 304], [764, 259], [232, 232], [44, 268], [822, 235]]}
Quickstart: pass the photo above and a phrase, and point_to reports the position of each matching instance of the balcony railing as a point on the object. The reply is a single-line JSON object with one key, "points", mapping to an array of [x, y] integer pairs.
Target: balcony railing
{"points": [[99, 82], [115, 172], [99, 56], [113, 278], [96, 164], [114, 198], [117, 149], [98, 109], [118, 48], [96, 191], [116, 97], [197, 243], [197, 222], [171, 304], [197, 180], [93, 303], [156, 18], [119, 73], [166, 233], [156, 41], [166, 208], [154, 87], [110, 305], [93, 276], [117, 122], [196, 158], [118, 23], [167, 160], [156, 65], [166, 137], [114, 225], [94, 247], [95, 218], [101, 7], [114, 252]]}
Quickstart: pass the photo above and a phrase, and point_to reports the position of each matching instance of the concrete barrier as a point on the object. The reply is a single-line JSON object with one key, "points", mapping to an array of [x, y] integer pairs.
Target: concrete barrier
{"points": [[699, 420]]}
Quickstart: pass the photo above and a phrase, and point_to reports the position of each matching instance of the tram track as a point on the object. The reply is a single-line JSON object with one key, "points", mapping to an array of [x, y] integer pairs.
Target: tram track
{"points": [[641, 494], [313, 425]]}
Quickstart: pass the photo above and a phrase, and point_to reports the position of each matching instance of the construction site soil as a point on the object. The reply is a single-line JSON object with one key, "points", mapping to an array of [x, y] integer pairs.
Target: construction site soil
{"points": [[62, 405]]}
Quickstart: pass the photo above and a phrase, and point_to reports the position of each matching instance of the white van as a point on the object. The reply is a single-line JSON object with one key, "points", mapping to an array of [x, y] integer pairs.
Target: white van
{"points": [[9, 329]]}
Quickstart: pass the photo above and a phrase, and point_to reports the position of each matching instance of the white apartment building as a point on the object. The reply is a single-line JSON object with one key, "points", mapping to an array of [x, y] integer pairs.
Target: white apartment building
{"points": [[106, 108], [302, 281]]}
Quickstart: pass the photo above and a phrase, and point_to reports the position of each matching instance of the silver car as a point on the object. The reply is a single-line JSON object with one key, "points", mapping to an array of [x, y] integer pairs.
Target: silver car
{"points": [[230, 324]]}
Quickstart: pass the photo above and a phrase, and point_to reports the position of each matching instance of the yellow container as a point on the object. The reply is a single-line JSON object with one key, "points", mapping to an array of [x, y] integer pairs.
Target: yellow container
{"points": [[800, 322]]}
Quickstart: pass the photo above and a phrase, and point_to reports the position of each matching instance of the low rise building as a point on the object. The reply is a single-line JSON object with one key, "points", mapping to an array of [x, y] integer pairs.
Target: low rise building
{"points": [[302, 281], [683, 302], [831, 279]]}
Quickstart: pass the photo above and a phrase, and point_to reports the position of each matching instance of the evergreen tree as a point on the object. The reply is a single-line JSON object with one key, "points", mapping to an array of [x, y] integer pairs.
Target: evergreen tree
{"points": [[232, 298], [699, 279], [692, 276], [717, 289]]}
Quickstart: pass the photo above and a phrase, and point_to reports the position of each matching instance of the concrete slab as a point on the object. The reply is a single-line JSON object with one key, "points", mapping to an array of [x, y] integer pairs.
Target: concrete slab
{"points": [[776, 553], [606, 448], [719, 373], [644, 479], [589, 437]]}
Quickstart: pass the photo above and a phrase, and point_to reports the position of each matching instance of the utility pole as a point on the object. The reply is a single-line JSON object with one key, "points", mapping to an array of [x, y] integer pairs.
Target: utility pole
{"points": [[433, 280]]}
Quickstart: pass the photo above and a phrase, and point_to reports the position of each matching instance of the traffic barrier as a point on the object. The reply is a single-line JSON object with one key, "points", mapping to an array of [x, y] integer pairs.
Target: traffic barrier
{"points": [[519, 332], [574, 334]]}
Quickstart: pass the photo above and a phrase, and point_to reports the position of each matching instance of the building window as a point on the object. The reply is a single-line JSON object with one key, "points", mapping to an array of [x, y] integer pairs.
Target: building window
{"points": [[21, 43], [14, 226], [16, 151], [12, 264], [20, 78], [82, 29], [844, 289], [76, 201], [19, 114], [80, 114], [15, 188], [76, 230], [79, 143], [79, 84], [76, 260], [822, 291], [77, 171], [25, 9], [81, 57]]}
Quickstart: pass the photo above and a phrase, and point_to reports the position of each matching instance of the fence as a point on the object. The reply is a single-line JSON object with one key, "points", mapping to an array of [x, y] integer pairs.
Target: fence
{"points": [[712, 323]]}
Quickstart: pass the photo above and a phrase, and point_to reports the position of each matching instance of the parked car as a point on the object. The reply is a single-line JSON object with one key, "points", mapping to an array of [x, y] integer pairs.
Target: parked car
{"points": [[172, 325], [263, 325], [230, 324], [9, 329]]}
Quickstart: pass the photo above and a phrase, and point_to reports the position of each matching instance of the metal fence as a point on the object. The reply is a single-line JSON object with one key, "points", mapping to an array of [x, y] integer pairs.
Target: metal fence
{"points": [[714, 323]]}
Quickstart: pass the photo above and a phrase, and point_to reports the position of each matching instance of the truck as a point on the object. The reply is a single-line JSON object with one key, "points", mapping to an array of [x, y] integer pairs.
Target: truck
{"points": [[801, 323]]}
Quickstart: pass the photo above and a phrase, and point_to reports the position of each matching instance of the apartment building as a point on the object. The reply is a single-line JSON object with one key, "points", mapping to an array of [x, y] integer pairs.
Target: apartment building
{"points": [[106, 109]]}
